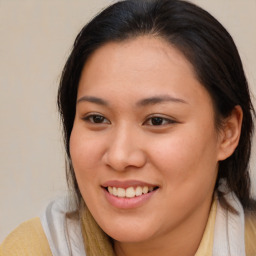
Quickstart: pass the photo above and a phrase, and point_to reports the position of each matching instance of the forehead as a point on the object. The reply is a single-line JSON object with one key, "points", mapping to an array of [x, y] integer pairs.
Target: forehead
{"points": [[143, 52], [143, 65]]}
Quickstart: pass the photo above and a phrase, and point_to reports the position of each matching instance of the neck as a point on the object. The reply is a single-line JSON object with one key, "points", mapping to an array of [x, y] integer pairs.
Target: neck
{"points": [[183, 240]]}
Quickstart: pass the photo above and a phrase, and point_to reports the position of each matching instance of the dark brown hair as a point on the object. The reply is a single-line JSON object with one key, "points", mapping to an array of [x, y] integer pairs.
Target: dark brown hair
{"points": [[203, 41]]}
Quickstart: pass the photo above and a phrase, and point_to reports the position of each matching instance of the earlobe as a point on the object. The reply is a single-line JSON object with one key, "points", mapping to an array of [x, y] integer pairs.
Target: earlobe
{"points": [[230, 134]]}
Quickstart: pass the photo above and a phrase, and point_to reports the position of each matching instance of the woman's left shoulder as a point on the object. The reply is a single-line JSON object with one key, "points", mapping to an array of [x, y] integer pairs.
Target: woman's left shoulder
{"points": [[250, 233]]}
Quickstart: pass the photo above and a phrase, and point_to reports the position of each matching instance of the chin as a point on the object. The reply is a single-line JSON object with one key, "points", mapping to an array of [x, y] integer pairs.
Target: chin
{"points": [[128, 235], [126, 238]]}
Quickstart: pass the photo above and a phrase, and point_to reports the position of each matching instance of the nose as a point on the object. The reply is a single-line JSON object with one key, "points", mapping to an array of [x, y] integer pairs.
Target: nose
{"points": [[124, 150]]}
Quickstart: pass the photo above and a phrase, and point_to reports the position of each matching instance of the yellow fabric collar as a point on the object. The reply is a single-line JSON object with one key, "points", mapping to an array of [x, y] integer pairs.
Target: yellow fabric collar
{"points": [[206, 245]]}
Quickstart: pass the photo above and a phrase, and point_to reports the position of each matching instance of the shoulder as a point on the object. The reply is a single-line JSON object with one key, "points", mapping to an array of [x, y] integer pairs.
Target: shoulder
{"points": [[250, 233], [27, 239]]}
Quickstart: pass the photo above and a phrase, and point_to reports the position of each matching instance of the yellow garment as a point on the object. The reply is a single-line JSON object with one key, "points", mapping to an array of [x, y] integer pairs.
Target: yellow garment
{"points": [[206, 245], [26, 240], [250, 235], [29, 238]]}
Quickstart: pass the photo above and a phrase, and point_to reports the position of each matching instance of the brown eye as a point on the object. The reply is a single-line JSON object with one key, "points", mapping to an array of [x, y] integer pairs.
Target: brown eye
{"points": [[158, 121], [96, 119]]}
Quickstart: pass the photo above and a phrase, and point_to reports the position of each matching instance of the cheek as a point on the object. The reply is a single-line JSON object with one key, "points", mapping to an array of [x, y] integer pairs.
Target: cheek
{"points": [[85, 154], [187, 163], [187, 154]]}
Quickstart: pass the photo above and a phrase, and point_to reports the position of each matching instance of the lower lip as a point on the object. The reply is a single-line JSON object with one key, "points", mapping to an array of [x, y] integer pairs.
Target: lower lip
{"points": [[128, 203]]}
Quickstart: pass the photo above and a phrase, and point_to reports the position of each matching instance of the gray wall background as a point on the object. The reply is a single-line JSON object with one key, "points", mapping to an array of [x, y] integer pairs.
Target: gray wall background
{"points": [[36, 37]]}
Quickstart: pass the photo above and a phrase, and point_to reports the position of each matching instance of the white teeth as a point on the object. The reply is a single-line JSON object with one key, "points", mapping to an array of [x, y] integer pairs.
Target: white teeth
{"points": [[114, 191], [150, 189], [110, 190], [145, 190], [129, 192], [121, 192], [138, 191]]}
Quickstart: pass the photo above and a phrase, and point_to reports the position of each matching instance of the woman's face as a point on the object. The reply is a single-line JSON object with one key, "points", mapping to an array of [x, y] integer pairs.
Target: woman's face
{"points": [[144, 145]]}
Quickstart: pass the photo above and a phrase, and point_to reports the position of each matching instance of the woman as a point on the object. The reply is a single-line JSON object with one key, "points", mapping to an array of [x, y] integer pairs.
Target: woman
{"points": [[157, 122]]}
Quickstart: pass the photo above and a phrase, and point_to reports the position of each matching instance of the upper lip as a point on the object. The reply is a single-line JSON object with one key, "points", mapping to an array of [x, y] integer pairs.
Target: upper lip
{"points": [[127, 183]]}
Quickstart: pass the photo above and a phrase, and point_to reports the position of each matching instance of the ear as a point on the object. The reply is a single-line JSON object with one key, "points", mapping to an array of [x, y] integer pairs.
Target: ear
{"points": [[230, 133]]}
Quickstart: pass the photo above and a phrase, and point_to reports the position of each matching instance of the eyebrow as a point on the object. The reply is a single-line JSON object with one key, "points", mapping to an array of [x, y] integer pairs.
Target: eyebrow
{"points": [[92, 99], [141, 103], [159, 99]]}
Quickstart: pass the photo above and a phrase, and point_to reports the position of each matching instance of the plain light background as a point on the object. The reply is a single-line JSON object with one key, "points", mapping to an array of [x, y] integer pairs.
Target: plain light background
{"points": [[36, 38]]}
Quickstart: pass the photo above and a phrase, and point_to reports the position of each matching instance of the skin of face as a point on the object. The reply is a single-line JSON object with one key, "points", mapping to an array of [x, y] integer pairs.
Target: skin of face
{"points": [[143, 115]]}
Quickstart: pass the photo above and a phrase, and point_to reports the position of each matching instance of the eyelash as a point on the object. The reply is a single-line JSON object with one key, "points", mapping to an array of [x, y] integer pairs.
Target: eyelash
{"points": [[159, 121], [92, 119], [163, 121]]}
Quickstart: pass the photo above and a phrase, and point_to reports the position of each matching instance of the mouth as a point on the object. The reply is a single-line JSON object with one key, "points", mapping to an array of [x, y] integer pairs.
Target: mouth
{"points": [[130, 192]]}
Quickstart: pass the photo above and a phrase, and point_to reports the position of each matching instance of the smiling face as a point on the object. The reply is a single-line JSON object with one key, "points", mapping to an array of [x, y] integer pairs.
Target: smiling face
{"points": [[144, 145]]}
